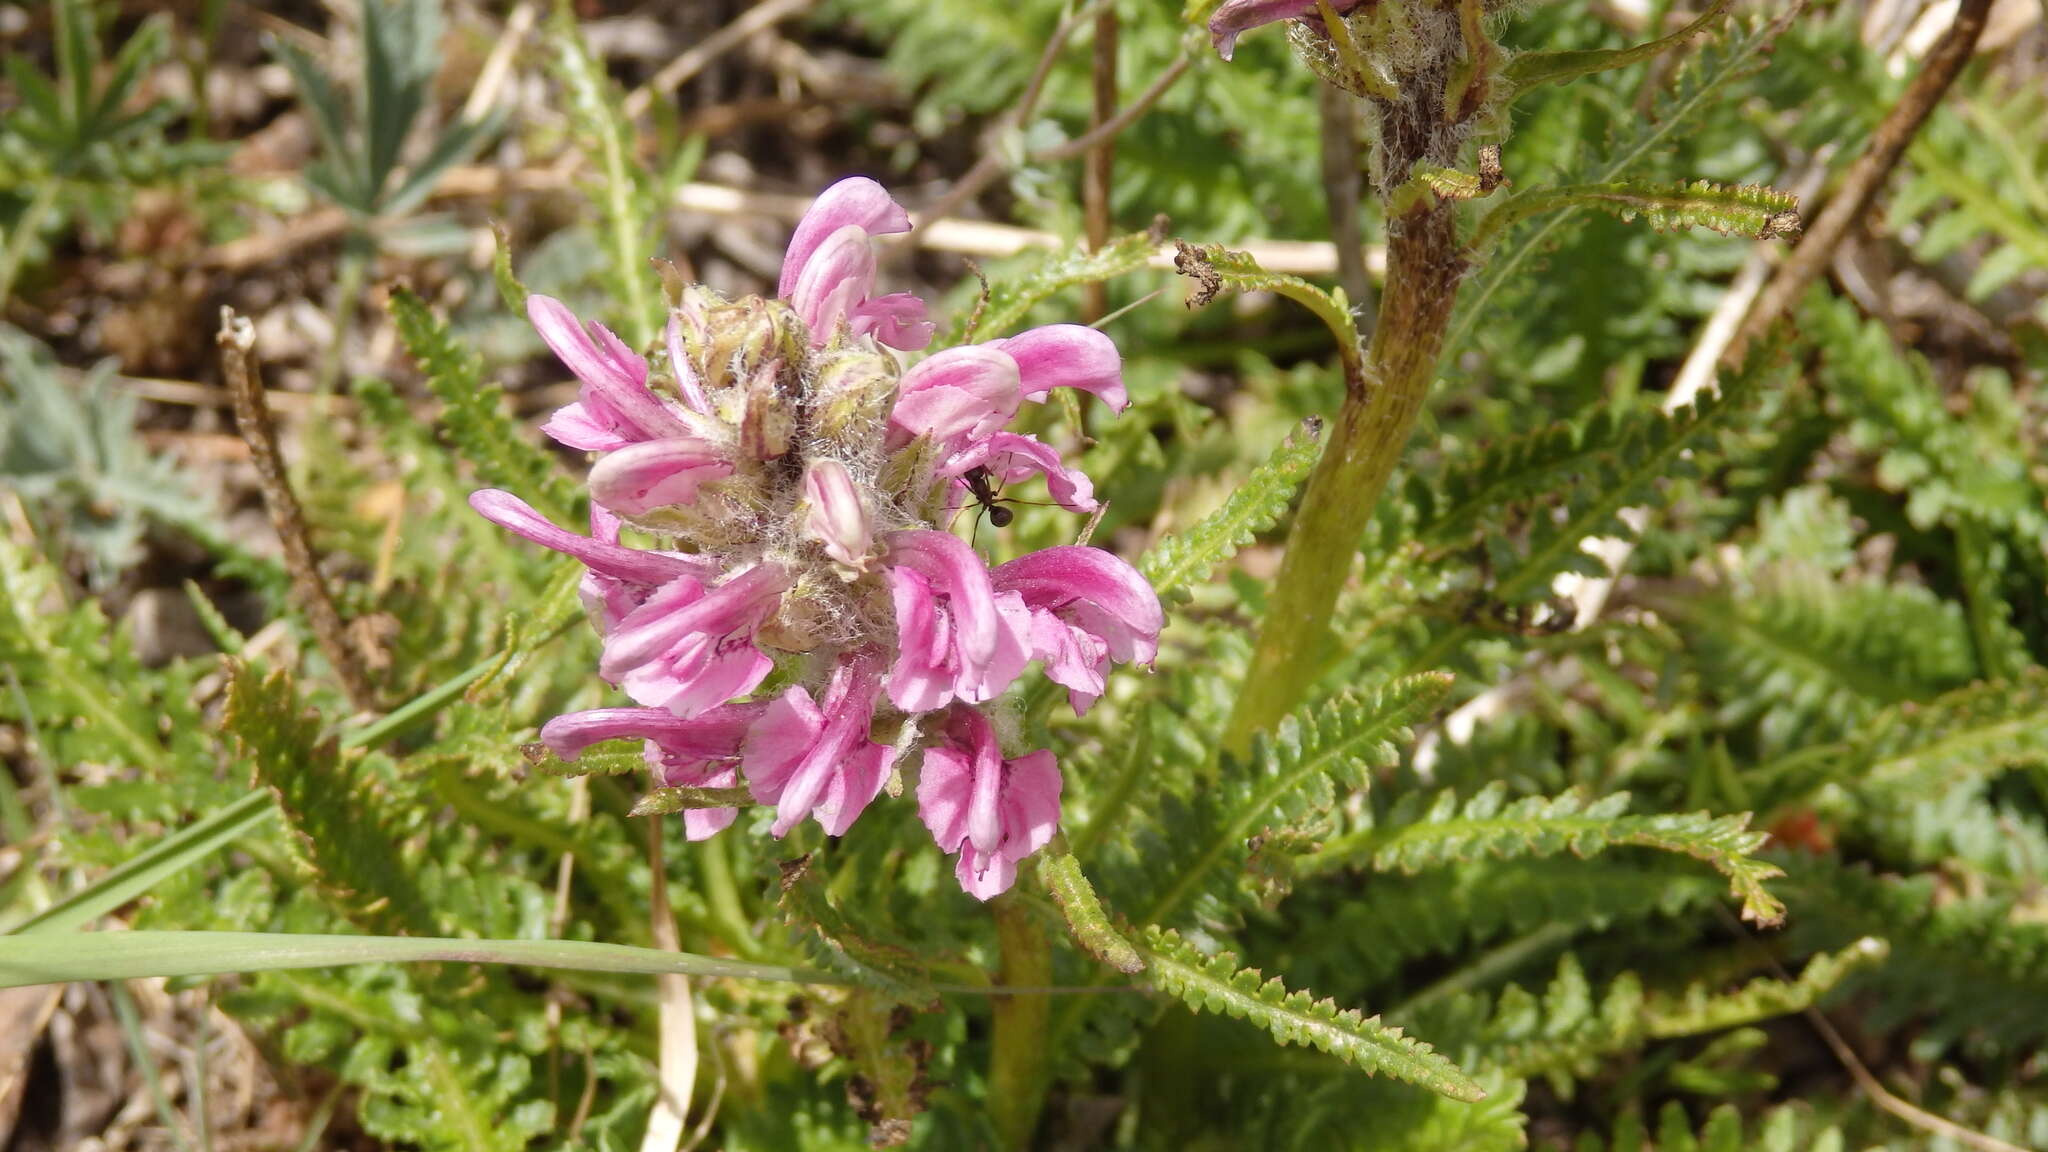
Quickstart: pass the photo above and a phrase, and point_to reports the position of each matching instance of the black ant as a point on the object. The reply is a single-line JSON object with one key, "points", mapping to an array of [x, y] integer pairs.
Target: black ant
{"points": [[978, 485]]}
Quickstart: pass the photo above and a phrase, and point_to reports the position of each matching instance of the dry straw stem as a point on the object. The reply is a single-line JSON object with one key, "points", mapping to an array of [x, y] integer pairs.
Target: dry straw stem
{"points": [[237, 342], [966, 237], [677, 1017]]}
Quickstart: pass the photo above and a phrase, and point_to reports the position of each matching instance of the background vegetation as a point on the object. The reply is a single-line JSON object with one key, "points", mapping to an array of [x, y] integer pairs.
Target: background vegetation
{"points": [[1732, 835]]}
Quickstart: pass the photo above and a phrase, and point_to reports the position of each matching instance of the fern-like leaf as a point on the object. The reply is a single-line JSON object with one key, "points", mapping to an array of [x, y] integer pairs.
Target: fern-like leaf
{"points": [[1217, 984], [354, 857], [1535, 69], [1751, 210], [1412, 837], [1969, 734], [1254, 506], [1290, 773], [1011, 301], [473, 419]]}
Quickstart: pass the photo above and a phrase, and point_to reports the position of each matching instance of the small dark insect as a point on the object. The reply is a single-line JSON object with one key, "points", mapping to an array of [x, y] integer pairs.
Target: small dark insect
{"points": [[977, 480]]}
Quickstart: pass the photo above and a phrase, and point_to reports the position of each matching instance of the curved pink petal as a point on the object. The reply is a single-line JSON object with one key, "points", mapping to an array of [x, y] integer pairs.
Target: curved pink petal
{"points": [[1236, 17], [922, 678], [1067, 576], [687, 384], [1010, 456], [615, 397], [833, 282], [856, 202], [702, 752], [992, 812], [602, 556], [1088, 608], [714, 735], [956, 572], [574, 426], [838, 516], [956, 396], [898, 320], [656, 474], [1068, 356], [672, 616], [816, 760]]}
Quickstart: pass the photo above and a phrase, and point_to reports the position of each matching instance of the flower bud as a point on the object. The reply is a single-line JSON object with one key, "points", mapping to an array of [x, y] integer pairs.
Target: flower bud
{"points": [[851, 396], [838, 517], [769, 420]]}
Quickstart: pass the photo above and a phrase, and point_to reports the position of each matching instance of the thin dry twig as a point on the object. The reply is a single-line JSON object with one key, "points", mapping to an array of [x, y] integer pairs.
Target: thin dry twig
{"points": [[992, 162], [1866, 1080], [1868, 174], [237, 343], [1122, 120], [672, 76], [1883, 1097], [1098, 166]]}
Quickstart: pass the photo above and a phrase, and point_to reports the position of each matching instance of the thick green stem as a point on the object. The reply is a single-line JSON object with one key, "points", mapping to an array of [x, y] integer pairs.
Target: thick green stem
{"points": [[1016, 1071], [1424, 265]]}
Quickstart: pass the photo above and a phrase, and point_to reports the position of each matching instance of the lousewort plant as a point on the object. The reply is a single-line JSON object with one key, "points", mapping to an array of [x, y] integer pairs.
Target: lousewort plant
{"points": [[798, 482]]}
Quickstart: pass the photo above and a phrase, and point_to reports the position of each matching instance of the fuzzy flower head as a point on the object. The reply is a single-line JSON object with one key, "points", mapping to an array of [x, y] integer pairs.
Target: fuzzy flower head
{"points": [[799, 484]]}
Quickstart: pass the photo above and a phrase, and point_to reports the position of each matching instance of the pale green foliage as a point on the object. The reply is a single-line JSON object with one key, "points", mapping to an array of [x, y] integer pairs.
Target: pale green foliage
{"points": [[1011, 301], [69, 449], [1532, 69], [363, 133]]}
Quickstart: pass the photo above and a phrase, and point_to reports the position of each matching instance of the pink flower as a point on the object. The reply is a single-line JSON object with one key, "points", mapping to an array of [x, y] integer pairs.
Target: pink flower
{"points": [[689, 649], [819, 548], [838, 517], [1087, 608], [620, 578], [992, 812], [967, 394], [639, 478], [816, 760], [614, 407], [955, 638], [828, 274], [1238, 16], [702, 752], [1010, 456]]}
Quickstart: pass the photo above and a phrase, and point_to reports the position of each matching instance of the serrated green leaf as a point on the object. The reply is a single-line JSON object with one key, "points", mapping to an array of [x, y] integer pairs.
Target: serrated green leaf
{"points": [[473, 419], [1217, 984], [1535, 69], [1252, 507], [1413, 837], [1751, 210]]}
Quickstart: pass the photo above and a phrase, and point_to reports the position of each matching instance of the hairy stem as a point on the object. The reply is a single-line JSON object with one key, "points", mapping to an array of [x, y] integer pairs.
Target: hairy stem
{"points": [[1016, 1072], [1424, 264]]}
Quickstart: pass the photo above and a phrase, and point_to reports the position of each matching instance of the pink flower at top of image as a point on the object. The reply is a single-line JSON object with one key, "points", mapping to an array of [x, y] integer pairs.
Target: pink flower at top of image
{"points": [[1236, 17], [804, 624]]}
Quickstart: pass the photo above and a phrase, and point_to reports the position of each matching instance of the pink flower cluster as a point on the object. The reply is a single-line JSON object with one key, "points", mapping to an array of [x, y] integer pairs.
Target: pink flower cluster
{"points": [[798, 480]]}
